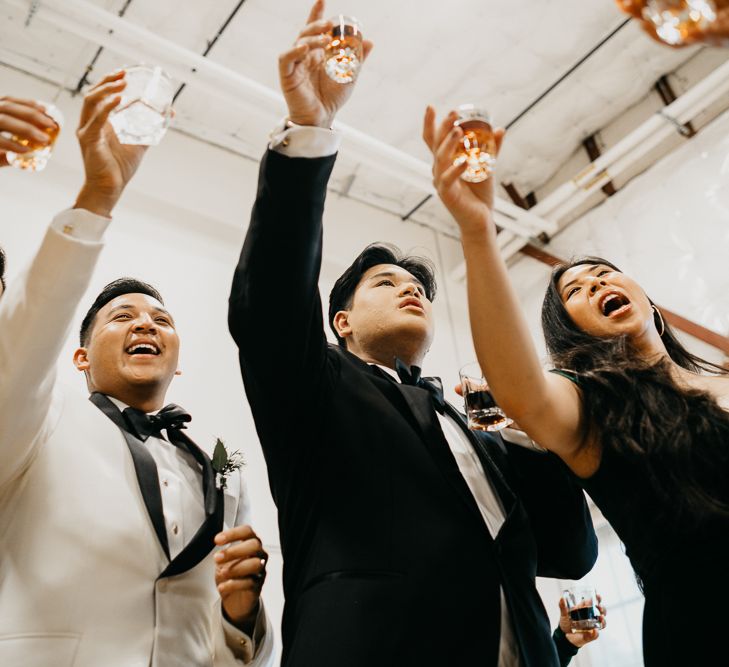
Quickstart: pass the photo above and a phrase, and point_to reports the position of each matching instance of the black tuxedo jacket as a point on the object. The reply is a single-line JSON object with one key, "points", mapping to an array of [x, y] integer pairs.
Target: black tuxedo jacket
{"points": [[387, 560]]}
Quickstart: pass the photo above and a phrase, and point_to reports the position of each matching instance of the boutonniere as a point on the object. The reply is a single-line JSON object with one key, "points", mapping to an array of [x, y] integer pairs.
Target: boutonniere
{"points": [[224, 463]]}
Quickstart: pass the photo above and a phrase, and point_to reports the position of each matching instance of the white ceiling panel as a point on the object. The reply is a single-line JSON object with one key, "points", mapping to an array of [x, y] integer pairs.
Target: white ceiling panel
{"points": [[44, 50]]}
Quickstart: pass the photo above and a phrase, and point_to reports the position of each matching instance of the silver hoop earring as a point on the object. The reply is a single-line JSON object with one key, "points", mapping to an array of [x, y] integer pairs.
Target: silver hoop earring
{"points": [[657, 313]]}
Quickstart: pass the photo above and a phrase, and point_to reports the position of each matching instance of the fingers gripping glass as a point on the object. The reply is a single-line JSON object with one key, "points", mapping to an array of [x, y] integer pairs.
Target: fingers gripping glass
{"points": [[37, 157], [481, 409]]}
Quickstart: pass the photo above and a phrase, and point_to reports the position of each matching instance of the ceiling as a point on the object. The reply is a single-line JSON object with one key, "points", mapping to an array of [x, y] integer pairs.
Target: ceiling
{"points": [[503, 55]]}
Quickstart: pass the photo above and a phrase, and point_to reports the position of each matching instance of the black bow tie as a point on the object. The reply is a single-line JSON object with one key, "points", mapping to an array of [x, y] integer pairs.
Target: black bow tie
{"points": [[411, 375], [169, 417]]}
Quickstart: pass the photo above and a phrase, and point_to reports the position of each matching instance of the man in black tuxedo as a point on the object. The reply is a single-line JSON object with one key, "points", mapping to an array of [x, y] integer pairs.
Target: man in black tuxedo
{"points": [[407, 539]]}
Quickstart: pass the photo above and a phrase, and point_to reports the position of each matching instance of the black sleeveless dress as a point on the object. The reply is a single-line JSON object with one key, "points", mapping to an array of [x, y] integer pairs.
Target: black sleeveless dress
{"points": [[683, 563], [681, 560]]}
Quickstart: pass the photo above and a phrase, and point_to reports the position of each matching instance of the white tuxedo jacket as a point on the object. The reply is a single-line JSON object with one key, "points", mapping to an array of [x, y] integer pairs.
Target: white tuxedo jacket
{"points": [[79, 558]]}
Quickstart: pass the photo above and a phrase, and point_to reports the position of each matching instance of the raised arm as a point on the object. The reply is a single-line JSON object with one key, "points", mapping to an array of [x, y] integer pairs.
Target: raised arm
{"points": [[547, 406], [37, 310], [275, 313]]}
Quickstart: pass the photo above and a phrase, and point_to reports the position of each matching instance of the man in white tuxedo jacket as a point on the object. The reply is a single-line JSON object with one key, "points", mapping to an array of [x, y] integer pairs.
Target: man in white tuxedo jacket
{"points": [[92, 572]]}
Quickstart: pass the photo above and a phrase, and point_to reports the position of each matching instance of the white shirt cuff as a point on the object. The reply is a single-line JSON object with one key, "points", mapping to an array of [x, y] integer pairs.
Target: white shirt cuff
{"points": [[242, 645], [78, 223], [304, 141], [516, 437]]}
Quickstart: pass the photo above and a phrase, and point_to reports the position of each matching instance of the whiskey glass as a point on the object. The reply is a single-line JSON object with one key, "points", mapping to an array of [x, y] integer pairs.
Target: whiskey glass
{"points": [[37, 158], [481, 409], [582, 606], [344, 52], [145, 110], [478, 146]]}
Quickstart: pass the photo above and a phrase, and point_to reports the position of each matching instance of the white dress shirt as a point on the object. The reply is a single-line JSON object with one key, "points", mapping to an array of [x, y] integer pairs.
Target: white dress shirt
{"points": [[180, 482]]}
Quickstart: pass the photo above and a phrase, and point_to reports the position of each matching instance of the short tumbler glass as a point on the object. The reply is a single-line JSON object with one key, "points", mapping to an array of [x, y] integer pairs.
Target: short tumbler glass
{"points": [[145, 110], [582, 606], [481, 409]]}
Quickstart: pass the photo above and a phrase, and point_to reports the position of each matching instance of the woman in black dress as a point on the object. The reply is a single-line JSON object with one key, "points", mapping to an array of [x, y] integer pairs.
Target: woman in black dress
{"points": [[642, 422]]}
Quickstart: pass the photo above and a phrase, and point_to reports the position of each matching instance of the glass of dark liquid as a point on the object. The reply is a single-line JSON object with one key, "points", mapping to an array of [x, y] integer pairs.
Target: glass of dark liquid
{"points": [[481, 409], [582, 606]]}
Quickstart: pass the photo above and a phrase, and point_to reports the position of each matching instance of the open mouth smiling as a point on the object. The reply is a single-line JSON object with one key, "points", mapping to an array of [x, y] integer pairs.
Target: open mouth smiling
{"points": [[143, 349], [614, 304]]}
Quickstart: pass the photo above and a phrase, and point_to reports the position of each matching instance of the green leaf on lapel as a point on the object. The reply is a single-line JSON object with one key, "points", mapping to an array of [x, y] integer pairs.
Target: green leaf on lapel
{"points": [[220, 456]]}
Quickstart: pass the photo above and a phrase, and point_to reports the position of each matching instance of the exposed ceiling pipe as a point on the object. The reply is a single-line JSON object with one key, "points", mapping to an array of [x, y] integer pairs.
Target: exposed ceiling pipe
{"points": [[102, 27], [691, 103]]}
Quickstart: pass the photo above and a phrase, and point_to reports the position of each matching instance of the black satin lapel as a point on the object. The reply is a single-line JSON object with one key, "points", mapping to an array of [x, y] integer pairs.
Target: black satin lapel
{"points": [[203, 541], [419, 402], [144, 467], [201, 544], [489, 457]]}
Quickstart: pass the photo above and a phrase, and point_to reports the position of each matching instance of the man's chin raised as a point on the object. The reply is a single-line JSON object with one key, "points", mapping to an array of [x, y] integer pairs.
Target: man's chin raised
{"points": [[146, 377], [412, 329]]}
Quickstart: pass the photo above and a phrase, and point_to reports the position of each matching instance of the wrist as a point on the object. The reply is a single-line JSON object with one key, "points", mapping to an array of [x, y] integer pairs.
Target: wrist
{"points": [[245, 623], [564, 646], [303, 120], [97, 200], [478, 232]]}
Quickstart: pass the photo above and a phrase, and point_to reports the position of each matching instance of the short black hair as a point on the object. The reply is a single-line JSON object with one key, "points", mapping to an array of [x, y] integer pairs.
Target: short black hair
{"points": [[2, 268], [111, 291], [340, 298]]}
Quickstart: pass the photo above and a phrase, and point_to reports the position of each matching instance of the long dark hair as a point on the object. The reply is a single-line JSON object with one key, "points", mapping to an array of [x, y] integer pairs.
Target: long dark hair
{"points": [[679, 437]]}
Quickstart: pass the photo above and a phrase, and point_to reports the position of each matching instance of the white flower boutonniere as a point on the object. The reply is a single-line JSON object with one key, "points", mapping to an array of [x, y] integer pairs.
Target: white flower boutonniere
{"points": [[224, 463]]}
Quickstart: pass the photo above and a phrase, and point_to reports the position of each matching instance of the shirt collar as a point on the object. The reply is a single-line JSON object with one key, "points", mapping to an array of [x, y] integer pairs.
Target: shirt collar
{"points": [[122, 405], [387, 370]]}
